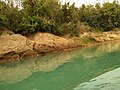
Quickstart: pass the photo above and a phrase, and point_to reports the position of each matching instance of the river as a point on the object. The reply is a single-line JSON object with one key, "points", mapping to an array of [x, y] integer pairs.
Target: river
{"points": [[91, 68]]}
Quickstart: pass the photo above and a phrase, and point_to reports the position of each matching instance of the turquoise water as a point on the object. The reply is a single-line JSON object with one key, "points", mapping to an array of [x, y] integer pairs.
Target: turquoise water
{"points": [[92, 68]]}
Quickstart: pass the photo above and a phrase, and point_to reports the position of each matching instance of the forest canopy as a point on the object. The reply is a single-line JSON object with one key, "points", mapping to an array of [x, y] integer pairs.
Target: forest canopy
{"points": [[30, 16]]}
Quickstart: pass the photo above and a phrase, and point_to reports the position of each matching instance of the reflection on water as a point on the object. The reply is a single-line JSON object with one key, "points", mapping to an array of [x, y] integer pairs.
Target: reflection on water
{"points": [[63, 70], [17, 71]]}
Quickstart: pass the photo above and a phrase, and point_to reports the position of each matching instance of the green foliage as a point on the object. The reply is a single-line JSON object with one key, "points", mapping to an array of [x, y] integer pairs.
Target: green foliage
{"points": [[105, 17], [50, 16], [87, 39], [69, 28], [3, 20]]}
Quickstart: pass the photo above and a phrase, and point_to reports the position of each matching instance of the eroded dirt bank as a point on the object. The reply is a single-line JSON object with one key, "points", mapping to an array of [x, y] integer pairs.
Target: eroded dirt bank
{"points": [[15, 46]]}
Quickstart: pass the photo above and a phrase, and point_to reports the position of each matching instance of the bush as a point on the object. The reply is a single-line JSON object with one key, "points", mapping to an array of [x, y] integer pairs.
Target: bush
{"points": [[69, 28], [33, 24], [3, 21], [52, 17]]}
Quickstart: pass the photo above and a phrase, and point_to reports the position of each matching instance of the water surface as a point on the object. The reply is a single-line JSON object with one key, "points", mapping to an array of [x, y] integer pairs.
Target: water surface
{"points": [[83, 69]]}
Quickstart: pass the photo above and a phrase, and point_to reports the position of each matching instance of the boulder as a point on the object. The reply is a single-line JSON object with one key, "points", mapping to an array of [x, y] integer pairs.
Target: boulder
{"points": [[15, 46], [45, 42]]}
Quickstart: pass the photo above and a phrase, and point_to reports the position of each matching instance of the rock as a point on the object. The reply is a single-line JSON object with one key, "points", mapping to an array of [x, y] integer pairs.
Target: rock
{"points": [[5, 32], [14, 46], [114, 36], [45, 42], [107, 39]]}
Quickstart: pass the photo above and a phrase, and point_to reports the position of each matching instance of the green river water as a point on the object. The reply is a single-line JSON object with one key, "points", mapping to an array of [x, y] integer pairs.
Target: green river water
{"points": [[92, 68]]}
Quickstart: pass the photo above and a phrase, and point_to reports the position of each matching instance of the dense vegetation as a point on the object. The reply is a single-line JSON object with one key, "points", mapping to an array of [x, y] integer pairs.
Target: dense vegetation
{"points": [[50, 16]]}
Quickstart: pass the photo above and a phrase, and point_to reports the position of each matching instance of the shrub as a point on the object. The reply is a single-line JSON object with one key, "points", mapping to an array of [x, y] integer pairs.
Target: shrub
{"points": [[69, 28]]}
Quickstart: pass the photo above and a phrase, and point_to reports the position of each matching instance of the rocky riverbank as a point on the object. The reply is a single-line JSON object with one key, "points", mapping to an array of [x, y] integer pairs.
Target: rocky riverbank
{"points": [[15, 46]]}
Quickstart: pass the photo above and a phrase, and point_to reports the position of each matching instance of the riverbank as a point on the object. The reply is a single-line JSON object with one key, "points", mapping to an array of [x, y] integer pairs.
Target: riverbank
{"points": [[15, 46]]}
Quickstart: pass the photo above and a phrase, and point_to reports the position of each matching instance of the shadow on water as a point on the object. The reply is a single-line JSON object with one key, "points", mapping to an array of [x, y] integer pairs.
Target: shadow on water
{"points": [[60, 71]]}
